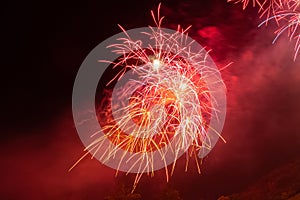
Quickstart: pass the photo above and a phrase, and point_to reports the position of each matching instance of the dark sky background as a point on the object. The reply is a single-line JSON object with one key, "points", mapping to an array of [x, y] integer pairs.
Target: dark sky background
{"points": [[43, 45]]}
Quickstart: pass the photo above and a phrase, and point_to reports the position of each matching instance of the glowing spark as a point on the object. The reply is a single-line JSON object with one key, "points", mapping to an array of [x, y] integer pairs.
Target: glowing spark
{"points": [[156, 64]]}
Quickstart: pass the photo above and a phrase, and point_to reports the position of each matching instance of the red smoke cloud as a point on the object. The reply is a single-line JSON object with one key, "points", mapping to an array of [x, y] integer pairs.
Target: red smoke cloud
{"points": [[36, 167]]}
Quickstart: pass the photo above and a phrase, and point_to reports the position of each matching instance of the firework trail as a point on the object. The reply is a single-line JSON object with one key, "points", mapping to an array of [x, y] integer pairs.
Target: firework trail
{"points": [[167, 100], [286, 14]]}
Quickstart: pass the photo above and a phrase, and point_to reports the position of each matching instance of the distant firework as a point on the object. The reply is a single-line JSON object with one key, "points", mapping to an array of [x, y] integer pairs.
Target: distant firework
{"points": [[286, 13], [166, 98]]}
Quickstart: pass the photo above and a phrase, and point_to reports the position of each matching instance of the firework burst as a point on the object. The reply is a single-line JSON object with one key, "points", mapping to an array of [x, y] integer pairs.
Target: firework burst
{"points": [[167, 99]]}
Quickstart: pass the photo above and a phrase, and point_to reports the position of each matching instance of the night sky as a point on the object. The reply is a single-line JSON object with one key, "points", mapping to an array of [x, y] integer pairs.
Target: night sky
{"points": [[45, 42]]}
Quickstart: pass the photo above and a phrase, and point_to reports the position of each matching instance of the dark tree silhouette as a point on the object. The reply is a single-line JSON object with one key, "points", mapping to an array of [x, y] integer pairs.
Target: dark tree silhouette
{"points": [[124, 193], [170, 193]]}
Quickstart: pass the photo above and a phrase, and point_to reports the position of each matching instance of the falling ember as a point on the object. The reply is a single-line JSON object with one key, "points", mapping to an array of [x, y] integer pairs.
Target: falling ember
{"points": [[165, 98]]}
